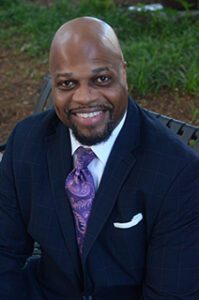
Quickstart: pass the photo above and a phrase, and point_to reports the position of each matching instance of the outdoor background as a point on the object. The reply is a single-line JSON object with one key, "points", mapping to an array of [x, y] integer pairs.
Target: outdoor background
{"points": [[161, 49]]}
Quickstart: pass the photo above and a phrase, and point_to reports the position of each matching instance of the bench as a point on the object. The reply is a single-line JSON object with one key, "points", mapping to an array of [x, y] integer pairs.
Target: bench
{"points": [[188, 133]]}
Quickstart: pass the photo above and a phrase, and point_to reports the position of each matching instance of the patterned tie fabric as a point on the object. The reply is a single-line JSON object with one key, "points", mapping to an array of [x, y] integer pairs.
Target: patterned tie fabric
{"points": [[80, 189]]}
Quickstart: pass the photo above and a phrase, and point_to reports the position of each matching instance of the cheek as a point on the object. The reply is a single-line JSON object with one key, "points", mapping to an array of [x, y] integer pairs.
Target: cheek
{"points": [[120, 103], [61, 106], [117, 96], [61, 101]]}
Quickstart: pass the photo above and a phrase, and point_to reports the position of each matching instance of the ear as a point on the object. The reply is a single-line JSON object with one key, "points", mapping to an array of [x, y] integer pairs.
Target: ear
{"points": [[124, 66]]}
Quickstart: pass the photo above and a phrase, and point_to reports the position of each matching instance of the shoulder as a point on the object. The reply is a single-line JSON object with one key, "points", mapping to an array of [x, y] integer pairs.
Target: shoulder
{"points": [[38, 122], [36, 125], [157, 136], [32, 131], [158, 144]]}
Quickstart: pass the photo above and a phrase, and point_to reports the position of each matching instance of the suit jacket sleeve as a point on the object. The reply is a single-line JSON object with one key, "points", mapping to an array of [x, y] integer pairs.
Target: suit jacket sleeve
{"points": [[15, 244], [173, 252]]}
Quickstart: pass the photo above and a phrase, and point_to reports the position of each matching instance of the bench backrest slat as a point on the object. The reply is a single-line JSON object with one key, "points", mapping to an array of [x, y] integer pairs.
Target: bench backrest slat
{"points": [[188, 133]]}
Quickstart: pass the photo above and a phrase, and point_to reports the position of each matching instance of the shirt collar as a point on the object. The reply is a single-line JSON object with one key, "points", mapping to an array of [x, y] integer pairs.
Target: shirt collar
{"points": [[103, 149]]}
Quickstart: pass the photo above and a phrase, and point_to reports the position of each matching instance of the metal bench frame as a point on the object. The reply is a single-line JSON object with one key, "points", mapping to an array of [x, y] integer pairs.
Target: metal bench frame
{"points": [[188, 133]]}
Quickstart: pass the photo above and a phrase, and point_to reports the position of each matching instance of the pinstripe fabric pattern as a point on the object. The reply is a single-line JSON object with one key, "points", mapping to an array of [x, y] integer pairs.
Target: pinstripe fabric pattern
{"points": [[149, 172]]}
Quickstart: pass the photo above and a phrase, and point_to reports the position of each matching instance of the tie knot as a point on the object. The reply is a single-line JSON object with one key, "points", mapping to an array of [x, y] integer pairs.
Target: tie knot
{"points": [[83, 157]]}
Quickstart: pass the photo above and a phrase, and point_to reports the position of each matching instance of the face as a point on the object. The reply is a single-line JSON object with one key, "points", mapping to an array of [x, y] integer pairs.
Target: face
{"points": [[89, 89]]}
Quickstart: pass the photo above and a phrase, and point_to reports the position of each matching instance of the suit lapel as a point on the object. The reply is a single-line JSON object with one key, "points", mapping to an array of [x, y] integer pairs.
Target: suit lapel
{"points": [[60, 164], [120, 163]]}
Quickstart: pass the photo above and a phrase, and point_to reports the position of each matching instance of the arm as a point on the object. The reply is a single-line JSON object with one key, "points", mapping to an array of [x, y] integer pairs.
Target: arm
{"points": [[172, 270], [15, 244]]}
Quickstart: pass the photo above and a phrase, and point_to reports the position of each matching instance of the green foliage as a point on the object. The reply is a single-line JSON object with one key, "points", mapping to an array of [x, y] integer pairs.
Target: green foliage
{"points": [[161, 50], [184, 3], [97, 5], [169, 61]]}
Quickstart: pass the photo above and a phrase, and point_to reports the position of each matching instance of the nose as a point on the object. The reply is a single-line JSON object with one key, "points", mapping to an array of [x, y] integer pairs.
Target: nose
{"points": [[84, 94]]}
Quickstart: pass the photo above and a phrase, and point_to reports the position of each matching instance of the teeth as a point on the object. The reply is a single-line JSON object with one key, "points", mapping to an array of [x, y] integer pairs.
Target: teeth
{"points": [[89, 115]]}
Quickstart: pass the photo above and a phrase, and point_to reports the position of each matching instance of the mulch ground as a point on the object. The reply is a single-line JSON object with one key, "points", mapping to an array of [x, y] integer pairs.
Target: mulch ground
{"points": [[21, 78]]}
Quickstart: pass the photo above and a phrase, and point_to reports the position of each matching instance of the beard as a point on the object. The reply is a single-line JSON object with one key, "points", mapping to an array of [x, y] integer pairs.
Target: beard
{"points": [[95, 137]]}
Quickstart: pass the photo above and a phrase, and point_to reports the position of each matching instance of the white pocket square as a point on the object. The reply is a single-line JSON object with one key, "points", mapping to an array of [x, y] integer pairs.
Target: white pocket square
{"points": [[134, 221]]}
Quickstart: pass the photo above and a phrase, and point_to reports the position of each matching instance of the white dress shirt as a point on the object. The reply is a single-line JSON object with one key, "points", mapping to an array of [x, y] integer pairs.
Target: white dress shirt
{"points": [[101, 150]]}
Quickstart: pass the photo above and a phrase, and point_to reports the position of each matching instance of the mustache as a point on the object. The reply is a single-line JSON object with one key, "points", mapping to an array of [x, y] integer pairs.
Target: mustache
{"points": [[90, 108]]}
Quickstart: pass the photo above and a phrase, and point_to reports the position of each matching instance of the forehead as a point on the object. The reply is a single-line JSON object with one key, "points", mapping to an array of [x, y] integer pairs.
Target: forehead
{"points": [[83, 53]]}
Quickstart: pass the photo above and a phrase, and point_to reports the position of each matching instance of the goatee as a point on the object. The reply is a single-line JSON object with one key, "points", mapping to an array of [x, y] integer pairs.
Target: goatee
{"points": [[95, 138]]}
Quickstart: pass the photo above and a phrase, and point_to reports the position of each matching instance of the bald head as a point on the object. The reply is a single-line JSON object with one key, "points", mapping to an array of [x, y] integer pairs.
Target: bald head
{"points": [[84, 32], [89, 81]]}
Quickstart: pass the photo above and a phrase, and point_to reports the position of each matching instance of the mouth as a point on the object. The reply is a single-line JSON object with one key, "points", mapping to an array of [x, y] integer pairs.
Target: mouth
{"points": [[90, 116]]}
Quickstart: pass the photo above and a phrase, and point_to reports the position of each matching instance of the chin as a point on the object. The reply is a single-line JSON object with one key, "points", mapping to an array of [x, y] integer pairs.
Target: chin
{"points": [[95, 138]]}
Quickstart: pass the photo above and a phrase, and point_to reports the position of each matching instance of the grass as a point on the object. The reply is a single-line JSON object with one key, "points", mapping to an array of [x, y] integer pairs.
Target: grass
{"points": [[161, 50]]}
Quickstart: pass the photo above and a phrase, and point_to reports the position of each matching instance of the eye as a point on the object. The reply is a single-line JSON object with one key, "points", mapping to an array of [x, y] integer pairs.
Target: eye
{"points": [[103, 80], [66, 84]]}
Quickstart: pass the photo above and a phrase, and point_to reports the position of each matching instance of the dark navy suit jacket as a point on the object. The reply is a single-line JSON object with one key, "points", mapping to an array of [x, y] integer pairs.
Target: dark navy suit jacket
{"points": [[149, 174]]}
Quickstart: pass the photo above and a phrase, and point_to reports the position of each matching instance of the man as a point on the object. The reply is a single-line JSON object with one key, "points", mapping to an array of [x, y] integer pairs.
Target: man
{"points": [[123, 227]]}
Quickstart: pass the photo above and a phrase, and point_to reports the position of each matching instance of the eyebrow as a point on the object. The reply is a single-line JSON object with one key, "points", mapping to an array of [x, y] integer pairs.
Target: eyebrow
{"points": [[63, 75], [94, 71], [101, 69]]}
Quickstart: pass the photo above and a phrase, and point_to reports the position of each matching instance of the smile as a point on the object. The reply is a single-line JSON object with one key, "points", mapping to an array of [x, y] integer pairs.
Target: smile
{"points": [[88, 115]]}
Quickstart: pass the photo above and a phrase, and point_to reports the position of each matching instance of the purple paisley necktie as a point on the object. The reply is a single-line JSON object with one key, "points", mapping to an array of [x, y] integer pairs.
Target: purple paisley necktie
{"points": [[80, 189]]}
